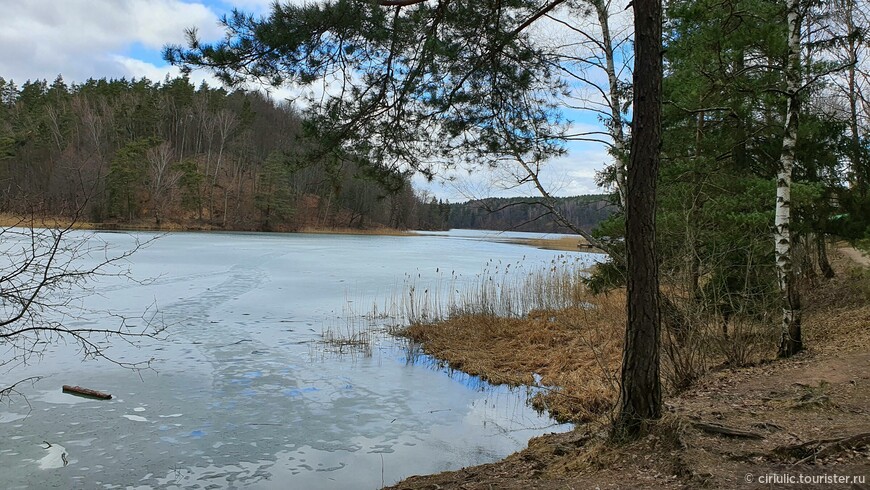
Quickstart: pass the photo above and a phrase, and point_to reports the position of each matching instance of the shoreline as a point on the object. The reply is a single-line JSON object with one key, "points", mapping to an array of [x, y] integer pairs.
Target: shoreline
{"points": [[7, 220], [572, 243], [806, 414]]}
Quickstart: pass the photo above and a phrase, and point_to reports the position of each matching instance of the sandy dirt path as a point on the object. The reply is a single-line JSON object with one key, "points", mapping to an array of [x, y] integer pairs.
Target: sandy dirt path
{"points": [[854, 254]]}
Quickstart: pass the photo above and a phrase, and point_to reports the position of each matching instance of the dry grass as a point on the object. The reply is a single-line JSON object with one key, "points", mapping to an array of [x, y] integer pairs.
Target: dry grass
{"points": [[574, 243], [348, 339], [506, 290], [575, 351], [357, 231], [545, 328], [8, 220]]}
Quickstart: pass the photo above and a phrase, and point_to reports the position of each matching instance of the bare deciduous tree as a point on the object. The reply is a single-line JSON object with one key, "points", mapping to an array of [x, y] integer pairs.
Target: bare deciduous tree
{"points": [[45, 276], [162, 177]]}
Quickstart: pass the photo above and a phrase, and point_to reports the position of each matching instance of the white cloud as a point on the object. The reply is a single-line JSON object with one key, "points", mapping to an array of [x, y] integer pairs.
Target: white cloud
{"points": [[570, 175], [88, 38], [140, 69], [83, 39], [258, 7]]}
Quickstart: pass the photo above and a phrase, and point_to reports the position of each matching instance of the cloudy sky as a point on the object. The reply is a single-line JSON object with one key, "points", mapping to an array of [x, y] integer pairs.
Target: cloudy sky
{"points": [[81, 39]]}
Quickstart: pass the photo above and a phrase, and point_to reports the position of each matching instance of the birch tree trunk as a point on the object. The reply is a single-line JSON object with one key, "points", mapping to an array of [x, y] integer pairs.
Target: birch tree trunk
{"points": [[822, 251], [602, 9], [791, 342]]}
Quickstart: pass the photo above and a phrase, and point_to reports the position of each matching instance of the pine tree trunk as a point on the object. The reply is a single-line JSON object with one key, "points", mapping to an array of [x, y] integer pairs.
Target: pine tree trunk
{"points": [[822, 250], [807, 269], [641, 397], [791, 341]]}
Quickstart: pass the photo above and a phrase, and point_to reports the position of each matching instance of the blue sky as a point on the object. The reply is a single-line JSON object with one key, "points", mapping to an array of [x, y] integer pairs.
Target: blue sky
{"points": [[83, 39]]}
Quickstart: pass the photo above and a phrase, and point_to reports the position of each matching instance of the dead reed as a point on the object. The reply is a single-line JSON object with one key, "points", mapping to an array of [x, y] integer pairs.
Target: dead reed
{"points": [[533, 326]]}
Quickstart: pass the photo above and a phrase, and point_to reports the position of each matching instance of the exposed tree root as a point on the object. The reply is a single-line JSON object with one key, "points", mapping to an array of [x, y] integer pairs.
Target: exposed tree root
{"points": [[727, 431], [823, 448]]}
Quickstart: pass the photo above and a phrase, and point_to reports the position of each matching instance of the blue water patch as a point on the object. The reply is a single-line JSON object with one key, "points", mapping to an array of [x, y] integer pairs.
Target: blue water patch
{"points": [[224, 405], [197, 434], [416, 357], [249, 392], [300, 391]]}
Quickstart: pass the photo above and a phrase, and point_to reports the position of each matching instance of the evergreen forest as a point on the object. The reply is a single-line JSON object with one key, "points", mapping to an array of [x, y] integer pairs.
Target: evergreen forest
{"points": [[172, 155]]}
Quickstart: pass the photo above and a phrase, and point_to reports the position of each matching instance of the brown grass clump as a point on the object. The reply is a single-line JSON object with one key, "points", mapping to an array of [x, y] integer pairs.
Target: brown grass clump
{"points": [[357, 231], [179, 224], [575, 351], [573, 243], [9, 221]]}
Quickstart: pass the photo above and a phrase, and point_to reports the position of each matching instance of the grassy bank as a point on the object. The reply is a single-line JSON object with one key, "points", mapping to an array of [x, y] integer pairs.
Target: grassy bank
{"points": [[568, 244], [806, 414], [7, 220], [357, 231], [574, 352], [574, 243]]}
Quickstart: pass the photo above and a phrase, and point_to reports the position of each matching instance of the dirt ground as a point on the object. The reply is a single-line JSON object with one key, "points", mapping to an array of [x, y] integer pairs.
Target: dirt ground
{"points": [[765, 426], [854, 254]]}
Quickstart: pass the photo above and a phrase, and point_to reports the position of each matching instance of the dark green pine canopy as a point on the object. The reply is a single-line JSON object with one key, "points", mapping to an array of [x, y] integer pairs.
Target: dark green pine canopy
{"points": [[416, 85]]}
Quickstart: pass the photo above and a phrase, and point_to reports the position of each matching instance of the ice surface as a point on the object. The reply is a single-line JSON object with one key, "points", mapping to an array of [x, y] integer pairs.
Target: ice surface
{"points": [[243, 393]]}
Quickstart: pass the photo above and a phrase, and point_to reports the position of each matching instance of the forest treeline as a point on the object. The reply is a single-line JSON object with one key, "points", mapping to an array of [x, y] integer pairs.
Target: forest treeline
{"points": [[137, 152], [532, 214], [156, 153]]}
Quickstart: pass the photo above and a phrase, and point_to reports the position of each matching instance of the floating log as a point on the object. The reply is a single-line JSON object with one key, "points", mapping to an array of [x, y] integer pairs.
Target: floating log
{"points": [[86, 392]]}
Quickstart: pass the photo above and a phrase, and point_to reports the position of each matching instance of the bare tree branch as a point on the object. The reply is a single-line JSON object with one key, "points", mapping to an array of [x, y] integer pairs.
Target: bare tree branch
{"points": [[399, 3], [47, 274]]}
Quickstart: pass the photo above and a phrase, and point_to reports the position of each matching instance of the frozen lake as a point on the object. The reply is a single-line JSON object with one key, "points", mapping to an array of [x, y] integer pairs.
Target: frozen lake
{"points": [[244, 393]]}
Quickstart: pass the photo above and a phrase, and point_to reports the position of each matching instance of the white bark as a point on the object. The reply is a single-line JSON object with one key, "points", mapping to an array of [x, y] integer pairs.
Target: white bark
{"points": [[616, 122], [226, 124], [791, 313], [162, 178]]}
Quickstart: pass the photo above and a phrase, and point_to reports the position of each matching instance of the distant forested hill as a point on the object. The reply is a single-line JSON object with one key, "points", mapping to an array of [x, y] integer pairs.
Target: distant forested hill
{"points": [[156, 153], [528, 214]]}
